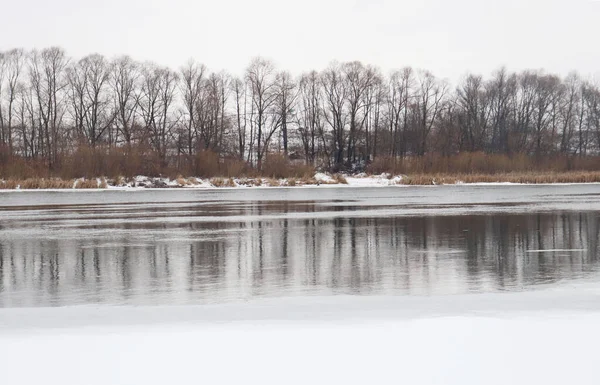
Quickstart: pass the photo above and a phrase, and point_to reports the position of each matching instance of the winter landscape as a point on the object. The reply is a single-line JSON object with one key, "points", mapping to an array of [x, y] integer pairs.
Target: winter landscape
{"points": [[317, 192]]}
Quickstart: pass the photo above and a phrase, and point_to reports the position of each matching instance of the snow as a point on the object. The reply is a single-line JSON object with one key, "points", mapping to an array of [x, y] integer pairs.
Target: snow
{"points": [[535, 337], [362, 180], [324, 178], [461, 350]]}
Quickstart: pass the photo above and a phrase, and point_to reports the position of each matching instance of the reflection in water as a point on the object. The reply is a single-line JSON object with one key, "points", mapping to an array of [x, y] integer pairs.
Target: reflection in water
{"points": [[73, 255]]}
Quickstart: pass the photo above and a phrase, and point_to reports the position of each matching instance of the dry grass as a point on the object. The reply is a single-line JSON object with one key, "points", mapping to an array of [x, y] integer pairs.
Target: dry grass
{"points": [[193, 181], [273, 182], [235, 167], [181, 181], [339, 179], [244, 182], [481, 163], [249, 182], [122, 163], [8, 185], [217, 182], [308, 180], [278, 167], [222, 182], [526, 178], [209, 164], [36, 184], [86, 162], [119, 181], [87, 184], [46, 184], [428, 180], [206, 164]]}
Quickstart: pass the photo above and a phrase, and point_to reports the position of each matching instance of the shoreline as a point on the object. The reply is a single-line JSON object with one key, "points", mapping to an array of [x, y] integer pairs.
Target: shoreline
{"points": [[319, 180], [331, 186]]}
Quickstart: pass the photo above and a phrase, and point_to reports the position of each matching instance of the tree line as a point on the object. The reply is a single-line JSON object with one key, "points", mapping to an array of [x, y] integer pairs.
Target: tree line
{"points": [[343, 116]]}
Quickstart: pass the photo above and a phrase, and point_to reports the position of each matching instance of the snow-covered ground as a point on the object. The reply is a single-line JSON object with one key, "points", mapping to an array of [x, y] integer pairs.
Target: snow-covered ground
{"points": [[319, 180], [535, 337], [363, 180]]}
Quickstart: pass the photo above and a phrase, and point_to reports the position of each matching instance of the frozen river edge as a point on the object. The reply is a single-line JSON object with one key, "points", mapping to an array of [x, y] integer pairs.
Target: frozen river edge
{"points": [[571, 298], [546, 336]]}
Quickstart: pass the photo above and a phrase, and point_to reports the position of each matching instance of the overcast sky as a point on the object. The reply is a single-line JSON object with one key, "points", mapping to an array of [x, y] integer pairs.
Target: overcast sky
{"points": [[448, 37]]}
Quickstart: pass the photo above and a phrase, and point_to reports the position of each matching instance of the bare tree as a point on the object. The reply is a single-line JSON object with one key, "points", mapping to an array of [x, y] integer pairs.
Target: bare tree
{"points": [[14, 61], [3, 65], [210, 111], [310, 120], [260, 75], [427, 106], [373, 115], [347, 115], [399, 94], [473, 114], [523, 110], [192, 76], [285, 97], [547, 91], [358, 79], [569, 110], [591, 99], [240, 95], [501, 90], [125, 74], [25, 115], [46, 71], [335, 90], [93, 109], [156, 99]]}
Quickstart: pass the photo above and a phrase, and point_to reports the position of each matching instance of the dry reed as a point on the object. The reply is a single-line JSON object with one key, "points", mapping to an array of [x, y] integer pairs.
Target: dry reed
{"points": [[340, 179], [525, 178], [87, 184], [273, 182]]}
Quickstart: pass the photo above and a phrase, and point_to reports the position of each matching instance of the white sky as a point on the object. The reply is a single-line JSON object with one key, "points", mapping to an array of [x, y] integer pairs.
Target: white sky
{"points": [[448, 37]]}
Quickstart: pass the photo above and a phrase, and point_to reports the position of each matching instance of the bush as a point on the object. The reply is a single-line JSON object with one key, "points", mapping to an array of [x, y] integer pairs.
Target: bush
{"points": [[481, 163], [87, 184], [217, 182], [278, 166], [515, 177], [340, 179]]}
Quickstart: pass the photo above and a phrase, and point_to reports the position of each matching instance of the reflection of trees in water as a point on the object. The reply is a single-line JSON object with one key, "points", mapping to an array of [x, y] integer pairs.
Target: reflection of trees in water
{"points": [[200, 261]]}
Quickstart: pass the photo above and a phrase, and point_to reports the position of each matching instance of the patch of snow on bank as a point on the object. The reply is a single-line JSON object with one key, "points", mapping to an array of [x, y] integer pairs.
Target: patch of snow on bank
{"points": [[323, 178], [363, 180]]}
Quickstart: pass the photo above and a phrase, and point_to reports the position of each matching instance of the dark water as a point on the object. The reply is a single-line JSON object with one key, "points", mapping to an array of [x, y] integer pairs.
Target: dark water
{"points": [[176, 247]]}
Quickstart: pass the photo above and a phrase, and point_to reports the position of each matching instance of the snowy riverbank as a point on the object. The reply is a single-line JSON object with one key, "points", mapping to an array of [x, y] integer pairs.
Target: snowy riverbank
{"points": [[318, 180], [143, 182], [547, 336]]}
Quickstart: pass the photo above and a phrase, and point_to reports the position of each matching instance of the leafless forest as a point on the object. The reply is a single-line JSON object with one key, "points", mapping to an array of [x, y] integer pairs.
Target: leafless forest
{"points": [[108, 116]]}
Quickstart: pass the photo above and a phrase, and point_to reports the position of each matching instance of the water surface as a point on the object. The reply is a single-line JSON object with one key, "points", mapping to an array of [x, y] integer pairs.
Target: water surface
{"points": [[194, 246]]}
